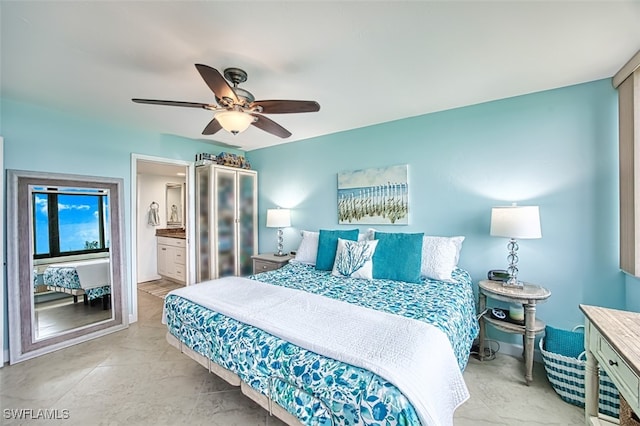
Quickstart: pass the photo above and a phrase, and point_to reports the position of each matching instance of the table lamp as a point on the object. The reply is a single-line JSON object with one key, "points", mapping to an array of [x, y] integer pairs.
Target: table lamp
{"points": [[279, 218], [515, 222]]}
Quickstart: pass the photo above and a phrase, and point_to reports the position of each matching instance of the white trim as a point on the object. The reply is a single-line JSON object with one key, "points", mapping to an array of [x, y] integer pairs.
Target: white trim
{"points": [[515, 351], [626, 70], [189, 224], [4, 354]]}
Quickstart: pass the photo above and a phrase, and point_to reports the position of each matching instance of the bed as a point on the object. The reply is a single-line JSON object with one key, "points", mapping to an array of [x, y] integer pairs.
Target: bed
{"points": [[301, 383], [88, 278]]}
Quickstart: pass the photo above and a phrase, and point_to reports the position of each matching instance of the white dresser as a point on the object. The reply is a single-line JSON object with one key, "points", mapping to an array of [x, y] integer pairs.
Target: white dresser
{"points": [[612, 341]]}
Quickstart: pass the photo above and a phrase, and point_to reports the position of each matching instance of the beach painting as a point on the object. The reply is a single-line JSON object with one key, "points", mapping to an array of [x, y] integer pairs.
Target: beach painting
{"points": [[376, 196]]}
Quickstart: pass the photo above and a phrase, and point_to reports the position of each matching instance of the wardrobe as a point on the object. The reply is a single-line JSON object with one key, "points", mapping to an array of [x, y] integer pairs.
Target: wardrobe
{"points": [[227, 221]]}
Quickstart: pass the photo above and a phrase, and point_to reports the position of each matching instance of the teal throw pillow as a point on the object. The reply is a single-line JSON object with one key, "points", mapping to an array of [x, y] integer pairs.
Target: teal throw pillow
{"points": [[398, 256], [328, 245], [564, 342]]}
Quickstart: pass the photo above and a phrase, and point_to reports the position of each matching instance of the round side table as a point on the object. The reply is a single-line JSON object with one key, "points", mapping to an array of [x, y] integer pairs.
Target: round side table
{"points": [[528, 295]]}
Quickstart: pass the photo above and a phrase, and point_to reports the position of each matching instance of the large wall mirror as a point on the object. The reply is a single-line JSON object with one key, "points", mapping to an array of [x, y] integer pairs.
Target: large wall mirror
{"points": [[65, 253]]}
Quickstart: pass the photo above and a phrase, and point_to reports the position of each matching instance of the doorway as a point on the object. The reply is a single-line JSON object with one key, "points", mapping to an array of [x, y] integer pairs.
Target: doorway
{"points": [[155, 208]]}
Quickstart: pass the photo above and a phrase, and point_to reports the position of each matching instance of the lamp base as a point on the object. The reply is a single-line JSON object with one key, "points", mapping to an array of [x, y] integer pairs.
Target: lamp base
{"points": [[280, 254], [513, 266]]}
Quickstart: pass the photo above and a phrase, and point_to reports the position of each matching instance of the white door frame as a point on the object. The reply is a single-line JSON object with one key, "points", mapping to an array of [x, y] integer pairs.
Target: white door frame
{"points": [[189, 224], [4, 356]]}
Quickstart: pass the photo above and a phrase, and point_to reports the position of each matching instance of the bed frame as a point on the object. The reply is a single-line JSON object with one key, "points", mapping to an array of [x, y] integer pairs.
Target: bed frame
{"points": [[233, 379], [75, 292], [71, 284]]}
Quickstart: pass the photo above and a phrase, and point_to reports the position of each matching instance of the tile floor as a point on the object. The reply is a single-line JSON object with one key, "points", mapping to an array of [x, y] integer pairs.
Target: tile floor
{"points": [[133, 377]]}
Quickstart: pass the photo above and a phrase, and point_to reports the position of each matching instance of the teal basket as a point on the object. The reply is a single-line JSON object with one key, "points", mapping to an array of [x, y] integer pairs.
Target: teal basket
{"points": [[566, 375]]}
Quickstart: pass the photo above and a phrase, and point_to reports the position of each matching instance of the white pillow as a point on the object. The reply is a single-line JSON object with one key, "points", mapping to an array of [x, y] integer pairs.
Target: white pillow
{"points": [[457, 241], [308, 249], [354, 259], [440, 256], [370, 234]]}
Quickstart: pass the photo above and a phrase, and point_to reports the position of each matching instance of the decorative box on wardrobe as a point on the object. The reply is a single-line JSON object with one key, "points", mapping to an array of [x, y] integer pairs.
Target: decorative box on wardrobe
{"points": [[227, 222]]}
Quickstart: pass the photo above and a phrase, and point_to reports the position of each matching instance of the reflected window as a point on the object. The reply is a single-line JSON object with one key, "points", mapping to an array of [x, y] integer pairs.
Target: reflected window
{"points": [[69, 221]]}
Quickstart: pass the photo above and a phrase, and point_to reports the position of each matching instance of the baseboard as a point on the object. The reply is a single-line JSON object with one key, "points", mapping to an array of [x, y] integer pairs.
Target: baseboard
{"points": [[514, 350], [147, 279]]}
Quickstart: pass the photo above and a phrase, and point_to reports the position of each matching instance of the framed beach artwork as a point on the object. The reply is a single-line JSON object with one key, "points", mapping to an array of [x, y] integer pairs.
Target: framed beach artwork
{"points": [[377, 196]]}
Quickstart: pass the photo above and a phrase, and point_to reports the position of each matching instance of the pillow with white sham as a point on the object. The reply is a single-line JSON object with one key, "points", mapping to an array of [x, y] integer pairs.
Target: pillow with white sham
{"points": [[457, 241], [308, 250], [370, 234], [354, 259], [440, 257]]}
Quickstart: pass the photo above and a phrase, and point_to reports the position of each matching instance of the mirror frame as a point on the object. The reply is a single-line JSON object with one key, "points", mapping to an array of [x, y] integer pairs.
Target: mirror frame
{"points": [[22, 342], [169, 188]]}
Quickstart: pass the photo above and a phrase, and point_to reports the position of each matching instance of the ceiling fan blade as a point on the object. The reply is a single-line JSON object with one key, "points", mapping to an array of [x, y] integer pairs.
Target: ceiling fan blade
{"points": [[212, 127], [270, 126], [286, 107], [173, 103], [216, 82]]}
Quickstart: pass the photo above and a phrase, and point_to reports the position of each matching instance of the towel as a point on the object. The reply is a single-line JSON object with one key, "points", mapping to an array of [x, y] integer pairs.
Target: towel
{"points": [[154, 214]]}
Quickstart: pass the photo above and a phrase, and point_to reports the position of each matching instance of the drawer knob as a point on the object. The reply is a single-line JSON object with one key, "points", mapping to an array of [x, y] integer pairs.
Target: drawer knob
{"points": [[611, 362]]}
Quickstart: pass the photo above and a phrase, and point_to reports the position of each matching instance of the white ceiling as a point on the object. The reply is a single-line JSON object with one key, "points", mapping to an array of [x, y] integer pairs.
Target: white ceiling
{"points": [[364, 62]]}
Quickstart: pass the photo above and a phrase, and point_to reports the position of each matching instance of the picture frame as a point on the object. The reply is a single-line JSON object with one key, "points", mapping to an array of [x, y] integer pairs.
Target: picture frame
{"points": [[374, 196]]}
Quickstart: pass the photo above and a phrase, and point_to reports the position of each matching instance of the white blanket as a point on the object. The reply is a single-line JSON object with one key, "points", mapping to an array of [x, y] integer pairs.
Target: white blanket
{"points": [[415, 356], [91, 273]]}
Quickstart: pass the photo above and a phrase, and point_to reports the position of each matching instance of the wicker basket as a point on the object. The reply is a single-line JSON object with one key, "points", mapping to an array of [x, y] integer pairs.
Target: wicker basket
{"points": [[566, 376], [627, 416]]}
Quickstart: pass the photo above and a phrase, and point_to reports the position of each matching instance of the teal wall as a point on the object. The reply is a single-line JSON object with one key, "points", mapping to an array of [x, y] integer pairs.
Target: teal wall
{"points": [[632, 295], [556, 149], [44, 140]]}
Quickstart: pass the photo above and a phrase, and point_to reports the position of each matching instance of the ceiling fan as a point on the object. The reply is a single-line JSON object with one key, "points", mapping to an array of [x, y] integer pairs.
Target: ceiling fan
{"points": [[235, 108]]}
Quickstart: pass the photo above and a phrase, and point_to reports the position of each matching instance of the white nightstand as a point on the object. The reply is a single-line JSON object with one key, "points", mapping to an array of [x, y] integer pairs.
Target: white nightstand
{"points": [[528, 296], [269, 262], [611, 341]]}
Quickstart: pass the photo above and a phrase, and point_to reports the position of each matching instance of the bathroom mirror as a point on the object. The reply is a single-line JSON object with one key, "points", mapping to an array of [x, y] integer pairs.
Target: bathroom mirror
{"points": [[174, 200], [65, 260]]}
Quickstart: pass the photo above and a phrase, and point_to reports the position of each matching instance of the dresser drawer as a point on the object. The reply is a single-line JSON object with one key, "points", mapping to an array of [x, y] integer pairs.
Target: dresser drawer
{"points": [[175, 242], [178, 256], [179, 273], [621, 374], [262, 266]]}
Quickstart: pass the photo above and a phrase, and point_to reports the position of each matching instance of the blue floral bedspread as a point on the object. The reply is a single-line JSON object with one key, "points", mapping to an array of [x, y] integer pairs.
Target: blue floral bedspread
{"points": [[67, 277], [314, 388]]}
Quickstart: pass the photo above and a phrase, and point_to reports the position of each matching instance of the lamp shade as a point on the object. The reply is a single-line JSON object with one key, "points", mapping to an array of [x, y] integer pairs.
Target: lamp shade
{"points": [[278, 218], [234, 121], [520, 222]]}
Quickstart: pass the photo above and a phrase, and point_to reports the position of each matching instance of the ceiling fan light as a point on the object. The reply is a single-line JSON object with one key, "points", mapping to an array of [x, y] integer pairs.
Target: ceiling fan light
{"points": [[234, 122]]}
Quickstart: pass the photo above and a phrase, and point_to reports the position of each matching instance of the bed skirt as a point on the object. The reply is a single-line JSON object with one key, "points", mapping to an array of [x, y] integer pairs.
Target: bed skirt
{"points": [[233, 379]]}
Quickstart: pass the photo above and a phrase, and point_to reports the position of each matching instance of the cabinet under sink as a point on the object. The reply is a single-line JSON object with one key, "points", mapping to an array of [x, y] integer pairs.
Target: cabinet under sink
{"points": [[172, 253]]}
